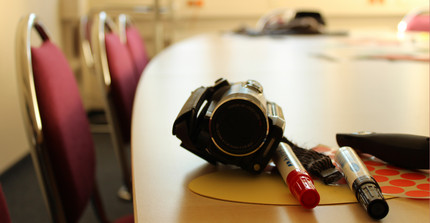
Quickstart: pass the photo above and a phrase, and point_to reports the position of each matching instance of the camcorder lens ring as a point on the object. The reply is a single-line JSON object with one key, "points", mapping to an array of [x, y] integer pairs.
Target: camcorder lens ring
{"points": [[238, 127]]}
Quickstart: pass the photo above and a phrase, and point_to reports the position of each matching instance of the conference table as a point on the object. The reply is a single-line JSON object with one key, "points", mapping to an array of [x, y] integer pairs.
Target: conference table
{"points": [[324, 85]]}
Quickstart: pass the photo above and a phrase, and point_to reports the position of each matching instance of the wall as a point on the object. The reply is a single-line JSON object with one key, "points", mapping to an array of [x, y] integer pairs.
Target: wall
{"points": [[248, 8], [13, 140], [223, 8], [227, 15]]}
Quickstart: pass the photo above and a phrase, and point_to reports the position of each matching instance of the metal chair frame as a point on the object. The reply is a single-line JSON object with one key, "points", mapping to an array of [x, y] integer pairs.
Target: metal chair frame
{"points": [[102, 24], [123, 21], [88, 69], [33, 124]]}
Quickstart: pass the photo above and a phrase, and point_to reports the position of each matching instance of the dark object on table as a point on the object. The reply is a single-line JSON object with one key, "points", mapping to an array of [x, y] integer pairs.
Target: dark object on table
{"points": [[402, 150], [287, 21], [317, 164], [232, 124]]}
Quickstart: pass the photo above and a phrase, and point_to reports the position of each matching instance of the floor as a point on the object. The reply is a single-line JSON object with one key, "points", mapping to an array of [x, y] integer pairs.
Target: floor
{"points": [[24, 197]]}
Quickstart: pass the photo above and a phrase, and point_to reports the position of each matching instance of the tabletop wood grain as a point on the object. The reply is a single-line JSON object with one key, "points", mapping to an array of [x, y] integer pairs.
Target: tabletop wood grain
{"points": [[324, 87]]}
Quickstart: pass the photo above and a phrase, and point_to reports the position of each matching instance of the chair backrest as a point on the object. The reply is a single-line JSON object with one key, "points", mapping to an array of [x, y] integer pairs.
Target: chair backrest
{"points": [[114, 64], [416, 20], [56, 123], [4, 211], [130, 35], [117, 74], [419, 23]]}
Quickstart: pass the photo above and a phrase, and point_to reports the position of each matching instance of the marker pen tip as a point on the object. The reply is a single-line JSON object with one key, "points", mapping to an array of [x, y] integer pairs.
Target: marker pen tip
{"points": [[304, 190]]}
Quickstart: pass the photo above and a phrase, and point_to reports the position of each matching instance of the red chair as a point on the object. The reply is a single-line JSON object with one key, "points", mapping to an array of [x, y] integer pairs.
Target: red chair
{"points": [[57, 127], [4, 211], [417, 20], [130, 35], [115, 68], [95, 97]]}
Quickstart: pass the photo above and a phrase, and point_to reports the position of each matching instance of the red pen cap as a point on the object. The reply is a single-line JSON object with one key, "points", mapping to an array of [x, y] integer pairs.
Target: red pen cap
{"points": [[302, 187]]}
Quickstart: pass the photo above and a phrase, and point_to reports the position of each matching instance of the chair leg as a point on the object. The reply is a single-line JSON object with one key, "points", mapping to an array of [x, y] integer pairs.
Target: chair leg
{"points": [[98, 206], [124, 193], [121, 152], [126, 172]]}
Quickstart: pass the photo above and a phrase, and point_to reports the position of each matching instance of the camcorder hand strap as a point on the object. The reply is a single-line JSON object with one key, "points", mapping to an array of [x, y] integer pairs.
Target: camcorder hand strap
{"points": [[186, 123], [316, 163]]}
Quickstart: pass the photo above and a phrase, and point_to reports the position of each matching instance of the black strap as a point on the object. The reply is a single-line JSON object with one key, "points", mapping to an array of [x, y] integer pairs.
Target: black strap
{"points": [[316, 163]]}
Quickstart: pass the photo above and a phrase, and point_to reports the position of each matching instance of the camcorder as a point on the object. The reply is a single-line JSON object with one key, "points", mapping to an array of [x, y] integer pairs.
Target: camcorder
{"points": [[231, 123]]}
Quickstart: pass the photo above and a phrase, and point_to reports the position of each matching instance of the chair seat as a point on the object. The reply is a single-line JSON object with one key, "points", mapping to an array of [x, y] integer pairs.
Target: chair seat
{"points": [[125, 219]]}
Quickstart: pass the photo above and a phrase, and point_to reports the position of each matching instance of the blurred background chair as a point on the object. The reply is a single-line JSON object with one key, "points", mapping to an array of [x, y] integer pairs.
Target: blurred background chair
{"points": [[117, 74], [130, 35], [416, 20], [4, 211], [57, 126], [90, 87]]}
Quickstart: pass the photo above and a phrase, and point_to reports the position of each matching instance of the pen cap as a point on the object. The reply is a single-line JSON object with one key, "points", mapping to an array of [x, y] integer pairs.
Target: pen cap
{"points": [[302, 187], [370, 197], [365, 187]]}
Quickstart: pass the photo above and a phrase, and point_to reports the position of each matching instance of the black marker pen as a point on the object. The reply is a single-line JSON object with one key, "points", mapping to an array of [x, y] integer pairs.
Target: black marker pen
{"points": [[365, 187]]}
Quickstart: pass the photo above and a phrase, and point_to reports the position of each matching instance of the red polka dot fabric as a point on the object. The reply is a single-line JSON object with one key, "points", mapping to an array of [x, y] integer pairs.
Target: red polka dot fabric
{"points": [[393, 180]]}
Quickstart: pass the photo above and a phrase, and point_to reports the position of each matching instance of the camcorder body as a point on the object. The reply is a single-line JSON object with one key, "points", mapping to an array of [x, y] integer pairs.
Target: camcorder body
{"points": [[232, 124]]}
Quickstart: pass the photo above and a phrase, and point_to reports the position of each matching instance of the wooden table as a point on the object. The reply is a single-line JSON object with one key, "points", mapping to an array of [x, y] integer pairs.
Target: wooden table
{"points": [[324, 86]]}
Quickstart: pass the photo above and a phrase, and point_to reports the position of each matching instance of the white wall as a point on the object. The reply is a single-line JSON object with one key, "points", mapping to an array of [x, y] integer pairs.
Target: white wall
{"points": [[13, 141], [240, 8], [227, 15], [222, 8]]}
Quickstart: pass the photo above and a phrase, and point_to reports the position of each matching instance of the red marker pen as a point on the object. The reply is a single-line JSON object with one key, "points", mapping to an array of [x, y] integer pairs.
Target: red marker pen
{"points": [[295, 176]]}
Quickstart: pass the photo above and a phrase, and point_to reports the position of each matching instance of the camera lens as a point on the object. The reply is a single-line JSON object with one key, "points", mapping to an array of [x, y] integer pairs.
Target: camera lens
{"points": [[238, 127]]}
